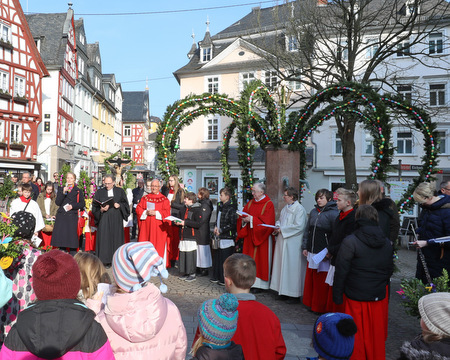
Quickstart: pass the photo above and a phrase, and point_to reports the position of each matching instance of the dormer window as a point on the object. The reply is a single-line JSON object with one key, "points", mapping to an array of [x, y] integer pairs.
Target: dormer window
{"points": [[412, 7], [82, 38], [292, 43], [206, 54]]}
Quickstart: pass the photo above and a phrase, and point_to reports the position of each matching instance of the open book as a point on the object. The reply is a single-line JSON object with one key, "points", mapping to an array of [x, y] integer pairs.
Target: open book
{"points": [[109, 202]]}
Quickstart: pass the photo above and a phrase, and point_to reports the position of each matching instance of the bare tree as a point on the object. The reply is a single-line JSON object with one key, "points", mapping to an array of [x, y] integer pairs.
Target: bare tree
{"points": [[320, 42]]}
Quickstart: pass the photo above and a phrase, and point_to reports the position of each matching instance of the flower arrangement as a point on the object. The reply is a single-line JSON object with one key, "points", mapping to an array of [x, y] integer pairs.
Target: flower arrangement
{"points": [[411, 290], [8, 251]]}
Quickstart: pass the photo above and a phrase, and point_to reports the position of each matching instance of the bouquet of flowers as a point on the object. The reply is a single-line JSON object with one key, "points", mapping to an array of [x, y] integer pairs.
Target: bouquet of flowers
{"points": [[412, 290], [8, 251]]}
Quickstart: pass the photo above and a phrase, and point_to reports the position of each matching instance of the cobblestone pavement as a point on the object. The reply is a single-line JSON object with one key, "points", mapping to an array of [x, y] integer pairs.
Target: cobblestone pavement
{"points": [[296, 320]]}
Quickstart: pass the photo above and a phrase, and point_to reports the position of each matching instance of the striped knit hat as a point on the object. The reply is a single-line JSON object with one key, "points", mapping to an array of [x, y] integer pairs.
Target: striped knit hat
{"points": [[135, 263], [218, 319], [434, 310]]}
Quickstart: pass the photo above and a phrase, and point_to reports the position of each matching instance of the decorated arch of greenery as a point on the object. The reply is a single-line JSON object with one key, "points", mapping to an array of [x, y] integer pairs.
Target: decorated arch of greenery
{"points": [[256, 118]]}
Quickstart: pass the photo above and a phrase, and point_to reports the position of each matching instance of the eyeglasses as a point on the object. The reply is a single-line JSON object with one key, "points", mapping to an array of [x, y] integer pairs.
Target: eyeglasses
{"points": [[108, 183], [446, 189]]}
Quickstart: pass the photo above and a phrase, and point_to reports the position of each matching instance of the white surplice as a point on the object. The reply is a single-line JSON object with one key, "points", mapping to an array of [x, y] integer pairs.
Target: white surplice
{"points": [[289, 265]]}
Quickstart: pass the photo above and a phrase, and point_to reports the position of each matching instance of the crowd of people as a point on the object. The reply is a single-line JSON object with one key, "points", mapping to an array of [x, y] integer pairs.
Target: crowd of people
{"points": [[337, 261]]}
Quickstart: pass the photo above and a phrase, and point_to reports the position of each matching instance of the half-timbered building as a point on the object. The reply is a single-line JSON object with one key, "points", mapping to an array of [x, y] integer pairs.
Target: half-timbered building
{"points": [[21, 74]]}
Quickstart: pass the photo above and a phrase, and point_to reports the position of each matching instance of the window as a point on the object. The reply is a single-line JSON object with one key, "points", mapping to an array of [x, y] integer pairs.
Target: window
{"points": [[246, 78], [127, 130], [82, 38], [372, 47], [213, 129], [80, 65], [293, 84], [213, 85], [15, 135], [441, 142], [19, 86], [437, 94], [127, 151], [4, 81], [403, 48], [435, 43], [337, 144], [405, 91], [2, 130], [404, 143], [342, 50], [412, 7], [271, 79], [5, 32], [368, 144], [206, 54], [292, 43]]}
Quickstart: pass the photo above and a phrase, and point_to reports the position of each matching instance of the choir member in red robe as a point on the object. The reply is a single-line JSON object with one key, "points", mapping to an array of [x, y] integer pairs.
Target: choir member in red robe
{"points": [[257, 238], [152, 209]]}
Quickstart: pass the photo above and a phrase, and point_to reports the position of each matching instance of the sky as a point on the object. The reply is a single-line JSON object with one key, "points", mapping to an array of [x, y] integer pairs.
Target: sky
{"points": [[148, 46]]}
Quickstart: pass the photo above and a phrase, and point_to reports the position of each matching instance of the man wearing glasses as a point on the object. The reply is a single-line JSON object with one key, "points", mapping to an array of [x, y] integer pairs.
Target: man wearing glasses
{"points": [[110, 207], [55, 182], [445, 187]]}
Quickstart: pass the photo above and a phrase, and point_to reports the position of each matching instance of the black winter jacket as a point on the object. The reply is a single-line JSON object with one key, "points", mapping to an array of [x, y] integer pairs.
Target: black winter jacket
{"points": [[177, 204], [205, 230], [320, 225], [192, 219], [228, 220], [418, 349], [233, 352], [434, 222], [363, 264], [341, 229], [388, 218]]}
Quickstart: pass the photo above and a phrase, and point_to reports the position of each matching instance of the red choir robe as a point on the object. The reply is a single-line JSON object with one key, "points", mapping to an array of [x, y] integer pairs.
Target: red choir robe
{"points": [[256, 239], [151, 229]]}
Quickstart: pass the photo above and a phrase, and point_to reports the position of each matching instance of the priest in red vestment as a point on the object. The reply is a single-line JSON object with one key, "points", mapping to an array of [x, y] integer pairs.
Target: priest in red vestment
{"points": [[257, 238], [152, 209]]}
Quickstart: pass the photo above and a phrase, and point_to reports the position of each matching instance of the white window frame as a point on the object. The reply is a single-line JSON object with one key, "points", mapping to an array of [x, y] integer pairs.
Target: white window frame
{"points": [[5, 32], [246, 77], [438, 96], [128, 151], [436, 43], [206, 54], [367, 141], [404, 140], [271, 76], [212, 122], [342, 48], [403, 49], [405, 91], [336, 140], [212, 83], [294, 85], [127, 130], [19, 85], [292, 43], [2, 130], [80, 65], [15, 132], [444, 136], [4, 81], [372, 46]]}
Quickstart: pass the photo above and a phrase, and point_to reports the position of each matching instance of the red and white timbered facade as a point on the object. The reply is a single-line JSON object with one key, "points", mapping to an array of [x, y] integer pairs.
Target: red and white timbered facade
{"points": [[21, 72], [134, 140]]}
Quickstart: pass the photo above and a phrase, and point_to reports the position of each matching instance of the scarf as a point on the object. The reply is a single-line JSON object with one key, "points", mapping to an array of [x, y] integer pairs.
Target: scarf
{"points": [[24, 199], [342, 215]]}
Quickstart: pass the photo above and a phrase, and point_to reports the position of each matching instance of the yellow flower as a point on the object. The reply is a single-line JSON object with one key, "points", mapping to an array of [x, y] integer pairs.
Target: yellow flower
{"points": [[428, 288], [5, 262], [5, 216]]}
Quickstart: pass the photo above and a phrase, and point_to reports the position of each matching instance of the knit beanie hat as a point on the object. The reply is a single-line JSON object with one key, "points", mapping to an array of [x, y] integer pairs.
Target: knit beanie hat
{"points": [[56, 276], [434, 309], [135, 263], [334, 336], [218, 319]]}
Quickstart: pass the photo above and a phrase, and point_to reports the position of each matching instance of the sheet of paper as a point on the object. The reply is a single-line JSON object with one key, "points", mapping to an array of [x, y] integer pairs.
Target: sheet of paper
{"points": [[320, 256], [269, 226], [173, 218], [242, 213], [66, 207], [150, 205], [324, 265]]}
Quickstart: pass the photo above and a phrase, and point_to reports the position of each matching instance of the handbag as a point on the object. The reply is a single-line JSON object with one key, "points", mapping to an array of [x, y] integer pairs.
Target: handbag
{"points": [[81, 219], [215, 242]]}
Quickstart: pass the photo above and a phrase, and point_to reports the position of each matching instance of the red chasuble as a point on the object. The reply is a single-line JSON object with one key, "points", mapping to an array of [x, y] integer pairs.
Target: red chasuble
{"points": [[151, 229], [256, 239]]}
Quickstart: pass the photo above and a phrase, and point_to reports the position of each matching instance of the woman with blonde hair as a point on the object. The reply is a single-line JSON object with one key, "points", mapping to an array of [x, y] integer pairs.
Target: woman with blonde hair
{"points": [[92, 271], [433, 223], [175, 193]]}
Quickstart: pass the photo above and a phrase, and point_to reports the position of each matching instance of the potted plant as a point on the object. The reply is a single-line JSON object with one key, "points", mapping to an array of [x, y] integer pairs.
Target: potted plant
{"points": [[3, 144], [17, 146], [4, 94], [6, 44], [20, 99]]}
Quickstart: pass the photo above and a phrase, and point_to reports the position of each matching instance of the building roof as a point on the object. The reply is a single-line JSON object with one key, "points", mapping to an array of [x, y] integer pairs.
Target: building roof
{"points": [[53, 41], [213, 156], [135, 106]]}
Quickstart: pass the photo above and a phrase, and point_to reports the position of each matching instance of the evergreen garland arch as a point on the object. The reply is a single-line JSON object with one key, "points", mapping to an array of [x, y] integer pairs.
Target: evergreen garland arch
{"points": [[359, 100]]}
